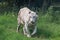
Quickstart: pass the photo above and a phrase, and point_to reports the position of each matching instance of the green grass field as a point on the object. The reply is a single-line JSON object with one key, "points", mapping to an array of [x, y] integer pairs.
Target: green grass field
{"points": [[47, 30]]}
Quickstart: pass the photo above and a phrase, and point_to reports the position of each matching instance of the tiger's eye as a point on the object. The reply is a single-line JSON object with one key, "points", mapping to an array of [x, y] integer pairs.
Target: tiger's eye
{"points": [[33, 16]]}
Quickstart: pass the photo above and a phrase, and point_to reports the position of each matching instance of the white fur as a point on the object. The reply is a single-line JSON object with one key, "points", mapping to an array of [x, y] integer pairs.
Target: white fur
{"points": [[25, 17]]}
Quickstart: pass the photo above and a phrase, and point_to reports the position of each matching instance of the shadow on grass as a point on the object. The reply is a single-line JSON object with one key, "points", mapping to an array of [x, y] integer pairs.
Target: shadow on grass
{"points": [[43, 33]]}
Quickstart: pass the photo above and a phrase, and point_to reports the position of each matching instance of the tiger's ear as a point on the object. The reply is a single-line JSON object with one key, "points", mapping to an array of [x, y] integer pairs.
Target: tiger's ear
{"points": [[29, 12]]}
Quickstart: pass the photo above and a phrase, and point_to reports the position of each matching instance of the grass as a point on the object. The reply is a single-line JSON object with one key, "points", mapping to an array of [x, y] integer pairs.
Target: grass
{"points": [[47, 30]]}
